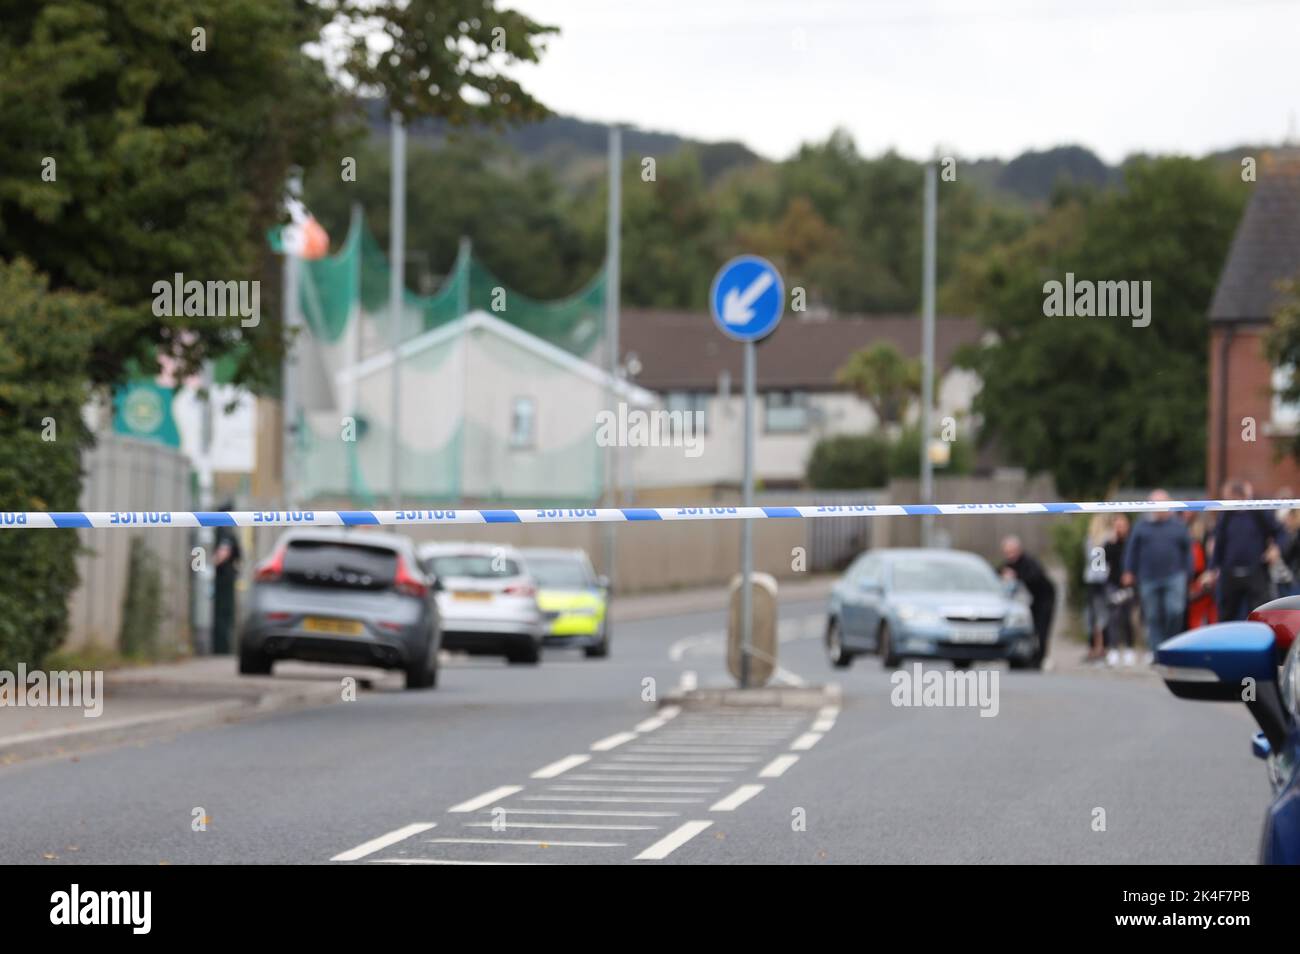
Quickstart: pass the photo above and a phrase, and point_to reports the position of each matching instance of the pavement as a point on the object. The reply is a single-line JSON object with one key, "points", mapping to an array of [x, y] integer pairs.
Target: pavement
{"points": [[588, 761]]}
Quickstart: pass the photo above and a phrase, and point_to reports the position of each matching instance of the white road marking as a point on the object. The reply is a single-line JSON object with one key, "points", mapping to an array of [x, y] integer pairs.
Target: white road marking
{"points": [[828, 712], [805, 741], [574, 811], [498, 826], [612, 741], [639, 767], [444, 861], [736, 798], [776, 768], [610, 799], [691, 779], [789, 678], [528, 841], [561, 766], [487, 798], [823, 725], [688, 681], [669, 843], [705, 790], [665, 714], [383, 841], [683, 759]]}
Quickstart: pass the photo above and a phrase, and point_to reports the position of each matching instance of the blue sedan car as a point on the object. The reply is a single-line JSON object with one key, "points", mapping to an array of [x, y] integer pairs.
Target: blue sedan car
{"points": [[1237, 662], [936, 604]]}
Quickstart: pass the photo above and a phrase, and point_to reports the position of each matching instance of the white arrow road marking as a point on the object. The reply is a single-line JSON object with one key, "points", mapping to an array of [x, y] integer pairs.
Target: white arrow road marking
{"points": [[669, 843], [383, 841], [737, 306]]}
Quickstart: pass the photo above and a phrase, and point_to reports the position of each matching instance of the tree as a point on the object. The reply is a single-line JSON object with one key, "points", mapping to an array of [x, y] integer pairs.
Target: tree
{"points": [[882, 377], [45, 347], [1097, 401], [172, 127]]}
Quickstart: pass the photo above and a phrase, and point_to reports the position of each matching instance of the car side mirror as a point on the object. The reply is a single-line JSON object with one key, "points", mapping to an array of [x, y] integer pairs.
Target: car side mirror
{"points": [[868, 585], [1009, 588], [1228, 662], [602, 582], [435, 583]]}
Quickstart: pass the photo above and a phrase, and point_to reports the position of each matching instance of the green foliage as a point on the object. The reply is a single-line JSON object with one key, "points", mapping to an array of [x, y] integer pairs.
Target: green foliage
{"points": [[172, 158], [1096, 401], [882, 377], [45, 342], [1068, 536], [849, 462], [1283, 345], [905, 456], [855, 461], [141, 603]]}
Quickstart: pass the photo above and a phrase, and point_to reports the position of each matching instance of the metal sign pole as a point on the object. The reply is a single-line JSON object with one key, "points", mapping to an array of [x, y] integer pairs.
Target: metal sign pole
{"points": [[747, 528]]}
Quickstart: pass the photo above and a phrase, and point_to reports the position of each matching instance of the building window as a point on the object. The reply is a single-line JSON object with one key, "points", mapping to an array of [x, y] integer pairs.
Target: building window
{"points": [[1285, 414], [523, 423], [785, 412], [690, 403]]}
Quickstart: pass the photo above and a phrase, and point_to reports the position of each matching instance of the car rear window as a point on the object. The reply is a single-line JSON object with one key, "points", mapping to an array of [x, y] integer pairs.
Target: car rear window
{"points": [[349, 565], [481, 566], [559, 572]]}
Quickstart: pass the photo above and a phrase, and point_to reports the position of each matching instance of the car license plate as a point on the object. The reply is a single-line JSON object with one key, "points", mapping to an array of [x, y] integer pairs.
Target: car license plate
{"points": [[973, 634], [479, 595], [335, 627]]}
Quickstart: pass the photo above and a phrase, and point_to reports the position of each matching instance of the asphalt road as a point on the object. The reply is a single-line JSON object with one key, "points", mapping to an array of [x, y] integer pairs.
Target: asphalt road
{"points": [[566, 763]]}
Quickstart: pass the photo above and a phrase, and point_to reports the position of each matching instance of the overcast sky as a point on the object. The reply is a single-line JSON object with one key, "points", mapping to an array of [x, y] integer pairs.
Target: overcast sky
{"points": [[979, 77]]}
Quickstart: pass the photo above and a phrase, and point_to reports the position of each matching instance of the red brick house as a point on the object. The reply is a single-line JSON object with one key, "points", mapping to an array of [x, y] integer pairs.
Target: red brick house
{"points": [[1265, 250]]}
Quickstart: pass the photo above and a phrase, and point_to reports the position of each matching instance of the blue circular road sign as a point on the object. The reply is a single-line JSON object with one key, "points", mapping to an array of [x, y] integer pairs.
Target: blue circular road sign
{"points": [[747, 298]]}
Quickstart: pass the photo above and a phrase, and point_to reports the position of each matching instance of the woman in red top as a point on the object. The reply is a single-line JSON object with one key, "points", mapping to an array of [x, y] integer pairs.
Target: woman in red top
{"points": [[1201, 610]]}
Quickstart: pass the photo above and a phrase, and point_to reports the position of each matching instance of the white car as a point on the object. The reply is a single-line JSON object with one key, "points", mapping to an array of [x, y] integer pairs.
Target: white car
{"points": [[486, 599]]}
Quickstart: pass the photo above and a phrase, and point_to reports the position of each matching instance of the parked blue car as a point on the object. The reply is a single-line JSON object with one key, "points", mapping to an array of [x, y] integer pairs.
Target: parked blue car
{"points": [[928, 603], [1237, 662]]}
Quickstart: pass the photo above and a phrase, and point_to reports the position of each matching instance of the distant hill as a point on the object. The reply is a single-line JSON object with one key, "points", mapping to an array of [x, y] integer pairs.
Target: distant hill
{"points": [[576, 148]]}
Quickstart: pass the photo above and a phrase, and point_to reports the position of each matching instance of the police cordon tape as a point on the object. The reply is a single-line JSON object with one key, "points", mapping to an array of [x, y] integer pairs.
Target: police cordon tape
{"points": [[139, 519]]}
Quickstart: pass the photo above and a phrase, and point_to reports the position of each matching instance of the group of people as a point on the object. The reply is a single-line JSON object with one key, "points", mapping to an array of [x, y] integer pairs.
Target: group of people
{"points": [[1172, 571], [1180, 571]]}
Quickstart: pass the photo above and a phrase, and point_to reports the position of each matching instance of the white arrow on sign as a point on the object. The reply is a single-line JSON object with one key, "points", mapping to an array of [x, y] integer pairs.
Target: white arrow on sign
{"points": [[738, 306]]}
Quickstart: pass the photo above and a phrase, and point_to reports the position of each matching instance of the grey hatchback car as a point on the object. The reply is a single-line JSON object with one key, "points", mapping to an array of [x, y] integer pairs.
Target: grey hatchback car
{"points": [[339, 596]]}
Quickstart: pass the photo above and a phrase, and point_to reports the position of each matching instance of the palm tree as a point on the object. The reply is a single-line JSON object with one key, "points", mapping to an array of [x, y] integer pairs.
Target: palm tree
{"points": [[882, 377]]}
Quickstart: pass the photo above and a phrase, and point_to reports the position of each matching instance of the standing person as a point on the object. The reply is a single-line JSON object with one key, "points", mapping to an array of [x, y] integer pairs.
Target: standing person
{"points": [[1201, 610], [1019, 565], [1095, 574], [1159, 559], [1245, 541], [1119, 634], [226, 559]]}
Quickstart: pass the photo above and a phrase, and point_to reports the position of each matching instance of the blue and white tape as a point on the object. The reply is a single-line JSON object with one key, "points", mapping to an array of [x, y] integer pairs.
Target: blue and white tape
{"points": [[143, 519]]}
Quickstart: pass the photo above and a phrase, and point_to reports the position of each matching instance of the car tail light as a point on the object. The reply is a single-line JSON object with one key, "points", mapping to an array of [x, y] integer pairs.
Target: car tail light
{"points": [[277, 617], [1283, 617], [392, 627], [521, 589], [407, 584], [271, 569]]}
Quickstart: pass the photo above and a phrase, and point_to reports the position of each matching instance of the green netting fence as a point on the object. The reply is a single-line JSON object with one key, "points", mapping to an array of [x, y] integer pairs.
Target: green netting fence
{"points": [[469, 394]]}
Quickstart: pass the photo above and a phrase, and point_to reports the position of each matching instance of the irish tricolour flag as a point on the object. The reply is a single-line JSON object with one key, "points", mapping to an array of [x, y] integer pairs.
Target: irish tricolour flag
{"points": [[303, 236]]}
